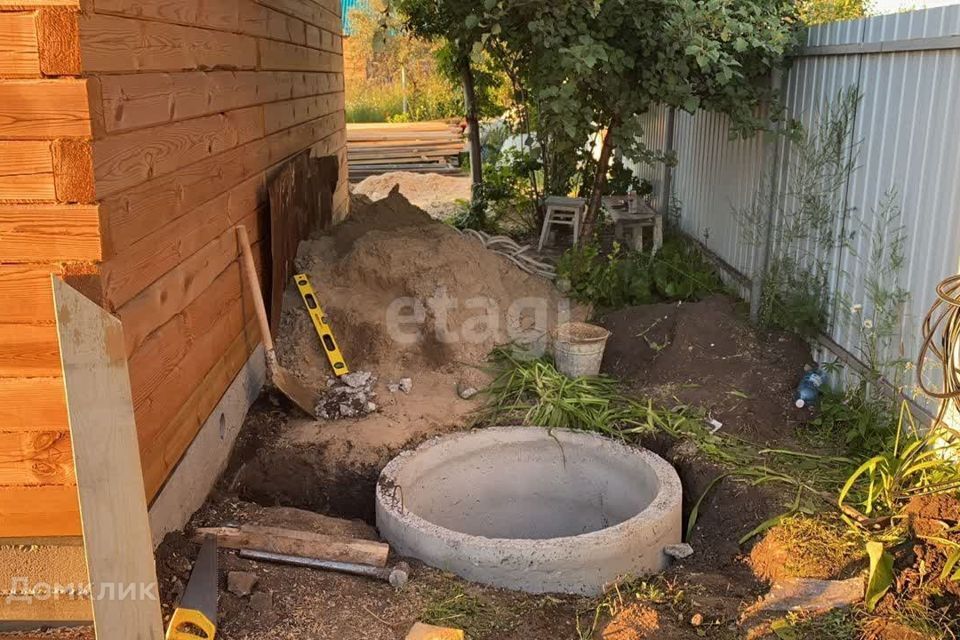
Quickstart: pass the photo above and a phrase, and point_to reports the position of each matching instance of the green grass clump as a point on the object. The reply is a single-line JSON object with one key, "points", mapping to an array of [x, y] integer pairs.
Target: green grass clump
{"points": [[839, 624]]}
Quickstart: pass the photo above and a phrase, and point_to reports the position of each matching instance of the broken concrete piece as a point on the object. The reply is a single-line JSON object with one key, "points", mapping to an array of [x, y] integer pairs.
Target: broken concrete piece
{"points": [[262, 602], [349, 397], [241, 583], [393, 388], [466, 392], [810, 596], [405, 384], [356, 379], [678, 551], [421, 631]]}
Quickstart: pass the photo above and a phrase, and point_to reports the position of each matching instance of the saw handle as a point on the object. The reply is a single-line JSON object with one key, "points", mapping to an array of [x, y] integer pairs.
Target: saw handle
{"points": [[250, 270], [188, 624]]}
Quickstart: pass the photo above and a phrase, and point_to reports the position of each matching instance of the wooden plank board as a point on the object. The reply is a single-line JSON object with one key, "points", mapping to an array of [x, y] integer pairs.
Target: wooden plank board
{"points": [[375, 136], [35, 512], [206, 332], [17, 4], [44, 108], [25, 291], [40, 233], [26, 170], [130, 272], [125, 160], [294, 212], [32, 404], [408, 142], [139, 211], [30, 458], [112, 505], [164, 452], [158, 366], [133, 101], [171, 293], [28, 351], [429, 125], [214, 14], [428, 150], [282, 115], [275, 25], [304, 544], [283, 56], [19, 52], [117, 44], [308, 11]]}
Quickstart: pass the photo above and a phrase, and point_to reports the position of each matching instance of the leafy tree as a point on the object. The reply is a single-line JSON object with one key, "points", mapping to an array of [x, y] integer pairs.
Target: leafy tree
{"points": [[385, 48], [594, 67], [821, 11], [452, 21]]}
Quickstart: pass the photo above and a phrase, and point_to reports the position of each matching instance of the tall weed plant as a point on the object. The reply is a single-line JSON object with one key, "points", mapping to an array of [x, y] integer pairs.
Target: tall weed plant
{"points": [[810, 220]]}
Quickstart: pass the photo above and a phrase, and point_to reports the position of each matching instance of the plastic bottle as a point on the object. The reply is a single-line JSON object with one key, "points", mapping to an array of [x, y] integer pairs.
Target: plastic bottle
{"points": [[808, 391]]}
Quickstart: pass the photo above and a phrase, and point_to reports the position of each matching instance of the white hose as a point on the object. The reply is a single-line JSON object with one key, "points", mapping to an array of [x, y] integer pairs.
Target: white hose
{"points": [[514, 252]]}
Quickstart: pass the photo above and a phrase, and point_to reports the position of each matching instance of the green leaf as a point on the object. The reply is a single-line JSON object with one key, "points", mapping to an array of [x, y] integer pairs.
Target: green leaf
{"points": [[952, 561], [695, 512], [880, 575], [784, 629]]}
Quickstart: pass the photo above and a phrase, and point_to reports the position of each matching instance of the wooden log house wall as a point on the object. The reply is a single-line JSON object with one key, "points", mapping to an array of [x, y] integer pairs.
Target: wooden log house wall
{"points": [[134, 135]]}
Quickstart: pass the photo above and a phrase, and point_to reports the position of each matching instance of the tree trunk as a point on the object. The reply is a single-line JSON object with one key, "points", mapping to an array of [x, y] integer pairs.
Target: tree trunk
{"points": [[599, 182], [473, 124]]}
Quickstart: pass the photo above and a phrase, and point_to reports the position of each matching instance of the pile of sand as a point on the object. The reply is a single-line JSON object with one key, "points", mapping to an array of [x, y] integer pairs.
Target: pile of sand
{"points": [[435, 194], [406, 294]]}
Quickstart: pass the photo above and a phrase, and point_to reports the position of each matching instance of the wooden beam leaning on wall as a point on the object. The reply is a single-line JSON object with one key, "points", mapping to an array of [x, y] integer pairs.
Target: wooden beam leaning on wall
{"points": [[113, 507]]}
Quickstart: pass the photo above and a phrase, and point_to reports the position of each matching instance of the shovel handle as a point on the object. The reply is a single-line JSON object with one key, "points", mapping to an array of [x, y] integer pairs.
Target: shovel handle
{"points": [[250, 269]]}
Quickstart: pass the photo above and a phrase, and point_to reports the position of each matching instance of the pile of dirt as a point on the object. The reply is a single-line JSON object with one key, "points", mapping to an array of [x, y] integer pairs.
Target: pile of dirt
{"points": [[436, 194], [406, 294], [417, 305], [706, 354]]}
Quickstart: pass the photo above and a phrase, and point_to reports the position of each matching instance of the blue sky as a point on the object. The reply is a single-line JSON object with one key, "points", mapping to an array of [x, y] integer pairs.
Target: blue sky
{"points": [[892, 6]]}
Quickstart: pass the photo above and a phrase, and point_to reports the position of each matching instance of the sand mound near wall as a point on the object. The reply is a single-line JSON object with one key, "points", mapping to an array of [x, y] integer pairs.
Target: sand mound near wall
{"points": [[406, 293], [436, 194]]}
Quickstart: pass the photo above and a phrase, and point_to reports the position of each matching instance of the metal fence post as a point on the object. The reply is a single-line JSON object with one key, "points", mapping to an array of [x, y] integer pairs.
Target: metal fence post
{"points": [[666, 188]]}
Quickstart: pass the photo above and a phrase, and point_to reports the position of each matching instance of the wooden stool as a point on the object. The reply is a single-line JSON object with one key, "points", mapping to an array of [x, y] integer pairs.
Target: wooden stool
{"points": [[565, 212], [630, 216]]}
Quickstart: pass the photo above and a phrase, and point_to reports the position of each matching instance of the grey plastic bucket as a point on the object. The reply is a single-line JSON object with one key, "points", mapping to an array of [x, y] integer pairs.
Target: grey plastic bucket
{"points": [[578, 348]]}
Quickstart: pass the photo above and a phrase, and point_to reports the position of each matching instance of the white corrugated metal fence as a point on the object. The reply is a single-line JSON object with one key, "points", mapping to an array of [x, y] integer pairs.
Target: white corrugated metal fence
{"points": [[906, 68]]}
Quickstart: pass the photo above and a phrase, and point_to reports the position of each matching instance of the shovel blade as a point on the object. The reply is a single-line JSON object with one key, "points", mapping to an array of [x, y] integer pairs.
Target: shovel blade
{"points": [[289, 386]]}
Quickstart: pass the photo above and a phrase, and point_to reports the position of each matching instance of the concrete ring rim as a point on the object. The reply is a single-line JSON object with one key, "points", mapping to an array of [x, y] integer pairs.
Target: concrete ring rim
{"points": [[657, 511]]}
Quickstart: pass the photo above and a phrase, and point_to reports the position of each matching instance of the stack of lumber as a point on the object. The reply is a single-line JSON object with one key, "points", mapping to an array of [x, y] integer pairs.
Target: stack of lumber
{"points": [[421, 147]]}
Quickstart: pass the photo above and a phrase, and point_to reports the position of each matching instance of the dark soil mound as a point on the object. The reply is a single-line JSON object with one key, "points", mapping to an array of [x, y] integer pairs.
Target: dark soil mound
{"points": [[706, 354]]}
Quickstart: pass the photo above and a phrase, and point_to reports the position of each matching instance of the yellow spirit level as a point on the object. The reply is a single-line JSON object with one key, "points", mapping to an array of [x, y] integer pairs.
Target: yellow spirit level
{"points": [[327, 340]]}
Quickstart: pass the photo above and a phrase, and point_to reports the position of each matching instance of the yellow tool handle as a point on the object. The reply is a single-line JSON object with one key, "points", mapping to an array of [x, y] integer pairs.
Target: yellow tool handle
{"points": [[193, 620]]}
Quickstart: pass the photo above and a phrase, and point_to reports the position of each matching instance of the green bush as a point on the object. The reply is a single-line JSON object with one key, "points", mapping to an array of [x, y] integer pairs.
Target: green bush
{"points": [[855, 421], [506, 202], [623, 278]]}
